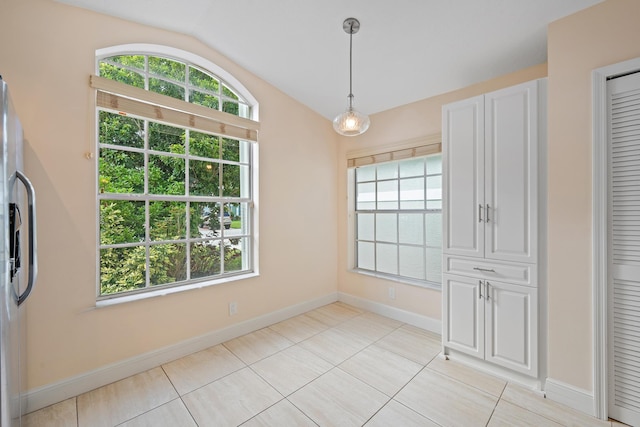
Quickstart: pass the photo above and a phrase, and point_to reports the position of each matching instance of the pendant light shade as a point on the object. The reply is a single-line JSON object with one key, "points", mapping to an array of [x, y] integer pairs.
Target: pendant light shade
{"points": [[351, 122]]}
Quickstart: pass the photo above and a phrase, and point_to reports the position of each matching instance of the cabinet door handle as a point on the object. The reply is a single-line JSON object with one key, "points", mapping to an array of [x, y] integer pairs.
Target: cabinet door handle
{"points": [[480, 288], [479, 213], [487, 215], [486, 270], [486, 291]]}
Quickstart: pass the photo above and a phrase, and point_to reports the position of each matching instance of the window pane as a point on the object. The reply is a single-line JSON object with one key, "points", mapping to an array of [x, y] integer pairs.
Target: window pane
{"points": [[167, 263], [122, 269], [201, 98], [204, 220], [203, 178], [167, 68], [239, 218], [167, 220], [166, 138], [228, 92], [366, 196], [387, 258], [412, 262], [203, 80], [387, 171], [230, 149], [388, 195], [413, 167], [366, 228], [366, 256], [434, 164], [434, 192], [121, 221], [411, 229], [434, 229], [133, 61], [203, 145], [205, 259], [412, 193], [166, 88], [232, 178], [231, 107], [166, 175], [116, 129], [387, 227], [365, 173], [122, 75], [121, 171], [235, 254], [434, 264]]}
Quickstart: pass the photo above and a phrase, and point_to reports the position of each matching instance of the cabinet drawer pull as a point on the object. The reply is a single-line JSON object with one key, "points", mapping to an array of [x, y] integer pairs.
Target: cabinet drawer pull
{"points": [[486, 270]]}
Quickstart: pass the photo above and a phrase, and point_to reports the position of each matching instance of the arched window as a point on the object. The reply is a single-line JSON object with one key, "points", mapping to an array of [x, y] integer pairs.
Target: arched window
{"points": [[175, 184]]}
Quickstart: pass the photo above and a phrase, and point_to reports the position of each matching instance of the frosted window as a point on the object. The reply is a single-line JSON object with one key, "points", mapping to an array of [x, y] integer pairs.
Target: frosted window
{"points": [[366, 256], [366, 230], [410, 168], [366, 196], [433, 226], [434, 264], [388, 195], [387, 258], [398, 219], [387, 171], [387, 227], [411, 229], [412, 262], [412, 193]]}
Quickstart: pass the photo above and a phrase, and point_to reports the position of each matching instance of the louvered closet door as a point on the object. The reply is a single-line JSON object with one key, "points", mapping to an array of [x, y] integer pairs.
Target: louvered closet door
{"points": [[624, 249]]}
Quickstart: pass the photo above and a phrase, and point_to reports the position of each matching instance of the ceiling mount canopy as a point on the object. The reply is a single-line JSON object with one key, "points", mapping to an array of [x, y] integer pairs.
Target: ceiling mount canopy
{"points": [[351, 122]]}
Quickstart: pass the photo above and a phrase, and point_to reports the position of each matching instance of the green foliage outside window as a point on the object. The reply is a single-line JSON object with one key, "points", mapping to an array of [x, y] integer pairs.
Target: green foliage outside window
{"points": [[144, 241]]}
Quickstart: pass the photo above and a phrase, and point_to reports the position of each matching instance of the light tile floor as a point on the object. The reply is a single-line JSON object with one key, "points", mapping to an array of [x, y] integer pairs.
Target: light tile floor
{"points": [[334, 366]]}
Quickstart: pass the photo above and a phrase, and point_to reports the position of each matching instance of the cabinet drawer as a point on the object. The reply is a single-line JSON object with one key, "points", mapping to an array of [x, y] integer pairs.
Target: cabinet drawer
{"points": [[520, 274]]}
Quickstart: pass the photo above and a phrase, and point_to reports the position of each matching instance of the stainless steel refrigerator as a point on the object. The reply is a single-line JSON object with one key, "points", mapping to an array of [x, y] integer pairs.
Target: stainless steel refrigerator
{"points": [[18, 264]]}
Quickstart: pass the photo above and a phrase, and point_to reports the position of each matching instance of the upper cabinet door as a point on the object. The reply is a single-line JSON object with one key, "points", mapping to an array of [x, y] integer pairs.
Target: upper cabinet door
{"points": [[463, 177], [511, 161]]}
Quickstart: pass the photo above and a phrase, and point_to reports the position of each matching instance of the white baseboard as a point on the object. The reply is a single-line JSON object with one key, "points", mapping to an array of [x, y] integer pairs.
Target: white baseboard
{"points": [[53, 393], [570, 396], [424, 322]]}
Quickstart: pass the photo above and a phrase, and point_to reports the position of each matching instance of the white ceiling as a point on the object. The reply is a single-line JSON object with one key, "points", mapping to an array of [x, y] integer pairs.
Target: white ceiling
{"points": [[406, 50]]}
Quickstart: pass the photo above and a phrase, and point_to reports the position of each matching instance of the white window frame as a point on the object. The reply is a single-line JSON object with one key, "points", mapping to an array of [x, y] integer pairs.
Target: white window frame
{"points": [[411, 149], [251, 227]]}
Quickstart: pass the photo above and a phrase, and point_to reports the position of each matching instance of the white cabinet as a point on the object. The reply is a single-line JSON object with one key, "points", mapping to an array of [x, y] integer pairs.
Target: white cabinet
{"points": [[490, 147], [492, 205], [492, 320]]}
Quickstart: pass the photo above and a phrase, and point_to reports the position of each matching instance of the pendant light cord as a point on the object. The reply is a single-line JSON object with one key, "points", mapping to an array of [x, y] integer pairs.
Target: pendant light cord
{"points": [[351, 66]]}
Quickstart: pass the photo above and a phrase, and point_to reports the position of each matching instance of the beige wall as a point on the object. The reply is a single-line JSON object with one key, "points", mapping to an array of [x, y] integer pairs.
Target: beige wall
{"points": [[46, 56], [409, 122], [605, 34]]}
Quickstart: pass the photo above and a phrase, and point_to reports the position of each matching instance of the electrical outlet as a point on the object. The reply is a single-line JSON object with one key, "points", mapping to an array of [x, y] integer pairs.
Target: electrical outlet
{"points": [[392, 293], [233, 308]]}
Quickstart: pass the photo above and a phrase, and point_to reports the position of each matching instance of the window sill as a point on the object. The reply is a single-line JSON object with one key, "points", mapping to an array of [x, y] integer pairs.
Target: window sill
{"points": [[115, 300], [413, 282]]}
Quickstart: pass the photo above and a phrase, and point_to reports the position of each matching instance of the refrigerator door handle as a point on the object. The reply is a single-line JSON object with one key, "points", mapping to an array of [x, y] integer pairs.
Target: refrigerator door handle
{"points": [[33, 260]]}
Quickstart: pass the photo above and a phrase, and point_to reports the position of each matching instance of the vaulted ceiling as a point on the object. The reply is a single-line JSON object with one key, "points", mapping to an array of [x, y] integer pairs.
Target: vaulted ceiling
{"points": [[406, 50]]}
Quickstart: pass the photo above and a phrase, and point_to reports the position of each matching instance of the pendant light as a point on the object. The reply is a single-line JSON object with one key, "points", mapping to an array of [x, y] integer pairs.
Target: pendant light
{"points": [[351, 122]]}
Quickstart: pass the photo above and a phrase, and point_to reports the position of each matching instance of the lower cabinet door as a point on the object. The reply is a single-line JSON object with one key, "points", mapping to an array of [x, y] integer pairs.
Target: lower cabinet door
{"points": [[511, 326], [463, 320]]}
